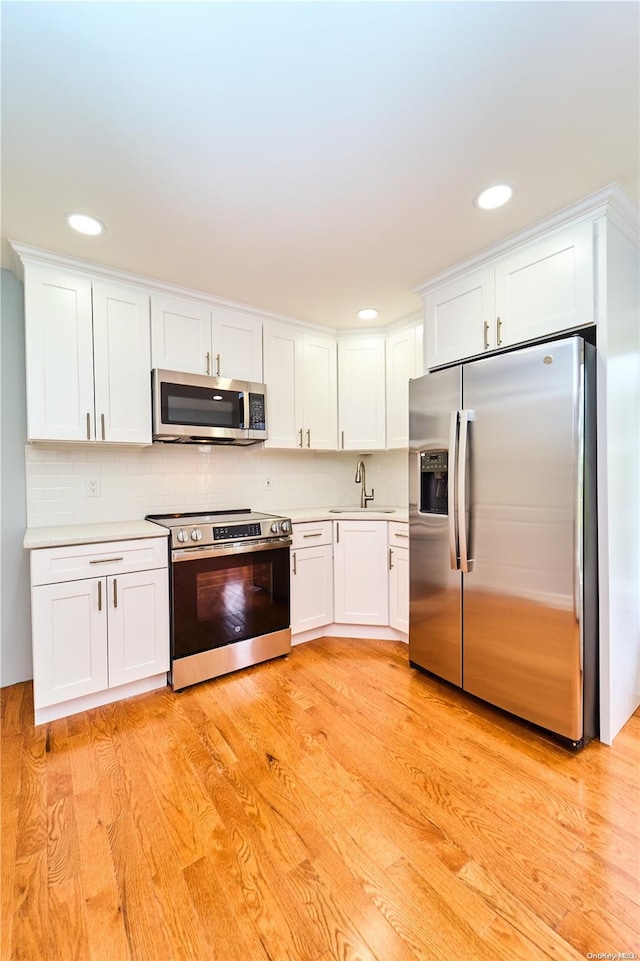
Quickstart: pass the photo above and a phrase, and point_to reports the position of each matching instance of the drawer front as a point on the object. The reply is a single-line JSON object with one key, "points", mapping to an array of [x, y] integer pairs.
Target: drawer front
{"points": [[312, 534], [398, 534], [53, 565]]}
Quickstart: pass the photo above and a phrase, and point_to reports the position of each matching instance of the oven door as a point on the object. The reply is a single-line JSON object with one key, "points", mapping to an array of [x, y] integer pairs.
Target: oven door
{"points": [[224, 595]]}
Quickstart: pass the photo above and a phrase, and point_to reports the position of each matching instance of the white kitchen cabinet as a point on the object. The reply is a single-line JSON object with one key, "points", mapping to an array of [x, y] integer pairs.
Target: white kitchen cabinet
{"points": [[360, 572], [197, 338], [95, 633], [311, 576], [399, 576], [361, 392], [403, 355], [543, 288], [300, 371], [87, 359]]}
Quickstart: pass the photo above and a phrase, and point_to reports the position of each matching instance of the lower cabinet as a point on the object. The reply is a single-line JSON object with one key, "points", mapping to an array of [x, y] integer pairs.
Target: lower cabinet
{"points": [[399, 577], [311, 576], [93, 634], [360, 572]]}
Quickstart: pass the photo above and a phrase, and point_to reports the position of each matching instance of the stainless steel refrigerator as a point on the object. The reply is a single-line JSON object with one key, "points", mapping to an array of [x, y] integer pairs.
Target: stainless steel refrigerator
{"points": [[503, 533]]}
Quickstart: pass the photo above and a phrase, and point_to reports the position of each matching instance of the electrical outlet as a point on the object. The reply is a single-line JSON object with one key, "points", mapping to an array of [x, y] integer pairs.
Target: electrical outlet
{"points": [[267, 483], [93, 487]]}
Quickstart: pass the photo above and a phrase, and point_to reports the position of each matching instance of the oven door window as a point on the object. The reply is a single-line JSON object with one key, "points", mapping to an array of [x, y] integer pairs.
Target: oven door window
{"points": [[221, 600], [201, 406]]}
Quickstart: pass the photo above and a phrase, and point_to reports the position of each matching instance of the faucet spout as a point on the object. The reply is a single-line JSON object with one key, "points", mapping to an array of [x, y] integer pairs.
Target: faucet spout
{"points": [[360, 478]]}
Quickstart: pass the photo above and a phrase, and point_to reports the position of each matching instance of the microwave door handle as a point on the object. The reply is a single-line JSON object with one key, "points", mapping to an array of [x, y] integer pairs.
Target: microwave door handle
{"points": [[454, 551], [243, 405]]}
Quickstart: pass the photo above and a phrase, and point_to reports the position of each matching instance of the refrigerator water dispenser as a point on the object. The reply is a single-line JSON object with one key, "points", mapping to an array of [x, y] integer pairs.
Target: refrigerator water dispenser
{"points": [[434, 474]]}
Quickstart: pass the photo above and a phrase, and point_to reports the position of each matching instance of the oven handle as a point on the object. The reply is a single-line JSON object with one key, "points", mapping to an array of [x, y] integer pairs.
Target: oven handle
{"points": [[202, 553]]}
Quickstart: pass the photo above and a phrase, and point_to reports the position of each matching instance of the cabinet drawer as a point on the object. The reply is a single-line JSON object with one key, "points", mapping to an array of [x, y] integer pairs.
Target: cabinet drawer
{"points": [[312, 534], [398, 534], [53, 565]]}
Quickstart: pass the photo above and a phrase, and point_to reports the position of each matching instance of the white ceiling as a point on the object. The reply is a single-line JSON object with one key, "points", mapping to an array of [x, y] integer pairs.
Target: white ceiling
{"points": [[308, 158]]}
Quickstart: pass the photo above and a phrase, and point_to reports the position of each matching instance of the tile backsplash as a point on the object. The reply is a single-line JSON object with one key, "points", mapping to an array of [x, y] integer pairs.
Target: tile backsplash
{"points": [[132, 482]]}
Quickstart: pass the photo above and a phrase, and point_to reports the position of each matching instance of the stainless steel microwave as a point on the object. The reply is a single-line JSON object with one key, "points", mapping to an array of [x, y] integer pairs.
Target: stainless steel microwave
{"points": [[196, 409]]}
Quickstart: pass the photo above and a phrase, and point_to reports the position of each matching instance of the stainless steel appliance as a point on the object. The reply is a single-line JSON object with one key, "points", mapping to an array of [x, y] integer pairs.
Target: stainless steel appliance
{"points": [[503, 552], [230, 601], [196, 409]]}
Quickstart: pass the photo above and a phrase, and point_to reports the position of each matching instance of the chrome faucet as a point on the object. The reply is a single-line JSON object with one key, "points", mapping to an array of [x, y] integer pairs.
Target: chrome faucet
{"points": [[361, 479]]}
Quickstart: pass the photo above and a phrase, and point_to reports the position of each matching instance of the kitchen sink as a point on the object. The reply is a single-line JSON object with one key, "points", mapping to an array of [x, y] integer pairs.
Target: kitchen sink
{"points": [[362, 510]]}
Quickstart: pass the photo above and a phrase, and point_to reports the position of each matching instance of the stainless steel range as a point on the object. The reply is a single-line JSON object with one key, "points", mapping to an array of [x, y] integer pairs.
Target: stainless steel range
{"points": [[229, 591]]}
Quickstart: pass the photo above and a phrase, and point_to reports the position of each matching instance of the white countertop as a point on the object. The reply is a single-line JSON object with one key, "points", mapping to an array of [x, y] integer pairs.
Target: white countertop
{"points": [[63, 534], [300, 514]]}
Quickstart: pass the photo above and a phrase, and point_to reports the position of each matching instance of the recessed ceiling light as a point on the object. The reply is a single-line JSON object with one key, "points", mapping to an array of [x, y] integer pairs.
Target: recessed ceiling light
{"points": [[493, 197], [86, 225], [367, 313]]}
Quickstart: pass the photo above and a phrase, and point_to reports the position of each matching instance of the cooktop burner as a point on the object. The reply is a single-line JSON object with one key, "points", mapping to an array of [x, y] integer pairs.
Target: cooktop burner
{"points": [[203, 528]]}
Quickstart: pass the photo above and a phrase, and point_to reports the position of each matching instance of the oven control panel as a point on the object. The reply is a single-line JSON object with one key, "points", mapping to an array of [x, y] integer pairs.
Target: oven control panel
{"points": [[236, 531]]}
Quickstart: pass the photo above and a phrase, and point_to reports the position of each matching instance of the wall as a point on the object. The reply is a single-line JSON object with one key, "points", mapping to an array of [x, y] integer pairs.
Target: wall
{"points": [[619, 482], [163, 478], [15, 613]]}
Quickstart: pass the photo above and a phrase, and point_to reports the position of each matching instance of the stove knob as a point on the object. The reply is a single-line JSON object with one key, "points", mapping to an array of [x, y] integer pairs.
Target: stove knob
{"points": [[275, 527], [182, 535], [285, 527], [196, 534]]}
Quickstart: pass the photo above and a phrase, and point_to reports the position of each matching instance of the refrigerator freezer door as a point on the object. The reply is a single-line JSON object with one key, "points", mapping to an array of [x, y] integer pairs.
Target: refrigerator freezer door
{"points": [[522, 631], [435, 628]]}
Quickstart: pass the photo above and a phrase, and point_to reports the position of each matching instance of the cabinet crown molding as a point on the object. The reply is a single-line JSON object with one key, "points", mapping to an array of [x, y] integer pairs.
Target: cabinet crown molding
{"points": [[611, 201]]}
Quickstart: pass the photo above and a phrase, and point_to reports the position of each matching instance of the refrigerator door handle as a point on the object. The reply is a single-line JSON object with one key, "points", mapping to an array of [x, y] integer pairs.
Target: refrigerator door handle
{"points": [[454, 552], [466, 563]]}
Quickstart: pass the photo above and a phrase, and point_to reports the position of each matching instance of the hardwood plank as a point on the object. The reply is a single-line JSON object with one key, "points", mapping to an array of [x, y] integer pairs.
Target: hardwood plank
{"points": [[332, 805]]}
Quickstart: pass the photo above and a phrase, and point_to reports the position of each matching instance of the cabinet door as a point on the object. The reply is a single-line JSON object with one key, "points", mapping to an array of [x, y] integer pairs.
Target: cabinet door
{"points": [[360, 572], [59, 355], [399, 589], [138, 625], [311, 588], [236, 345], [69, 630], [181, 335], [283, 377], [546, 288], [122, 358], [460, 318], [320, 392], [402, 364], [361, 393]]}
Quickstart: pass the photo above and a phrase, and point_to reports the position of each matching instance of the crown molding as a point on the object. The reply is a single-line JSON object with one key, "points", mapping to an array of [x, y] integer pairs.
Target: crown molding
{"points": [[611, 201]]}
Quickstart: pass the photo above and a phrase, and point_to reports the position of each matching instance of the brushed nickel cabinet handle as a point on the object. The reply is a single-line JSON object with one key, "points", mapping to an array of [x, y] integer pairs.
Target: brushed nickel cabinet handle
{"points": [[397, 534], [486, 335], [208, 364], [337, 532], [99, 595], [499, 337], [390, 558], [102, 423], [106, 560], [308, 438], [343, 440], [88, 426], [115, 592], [317, 534], [295, 566], [300, 437], [217, 365]]}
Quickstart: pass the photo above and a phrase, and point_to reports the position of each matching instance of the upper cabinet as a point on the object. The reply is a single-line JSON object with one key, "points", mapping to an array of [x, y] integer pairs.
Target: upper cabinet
{"points": [[300, 372], [361, 392], [540, 289], [403, 362], [88, 359], [196, 338]]}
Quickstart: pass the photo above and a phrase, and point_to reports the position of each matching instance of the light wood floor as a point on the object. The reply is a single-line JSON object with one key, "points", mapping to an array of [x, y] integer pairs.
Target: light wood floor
{"points": [[332, 805]]}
